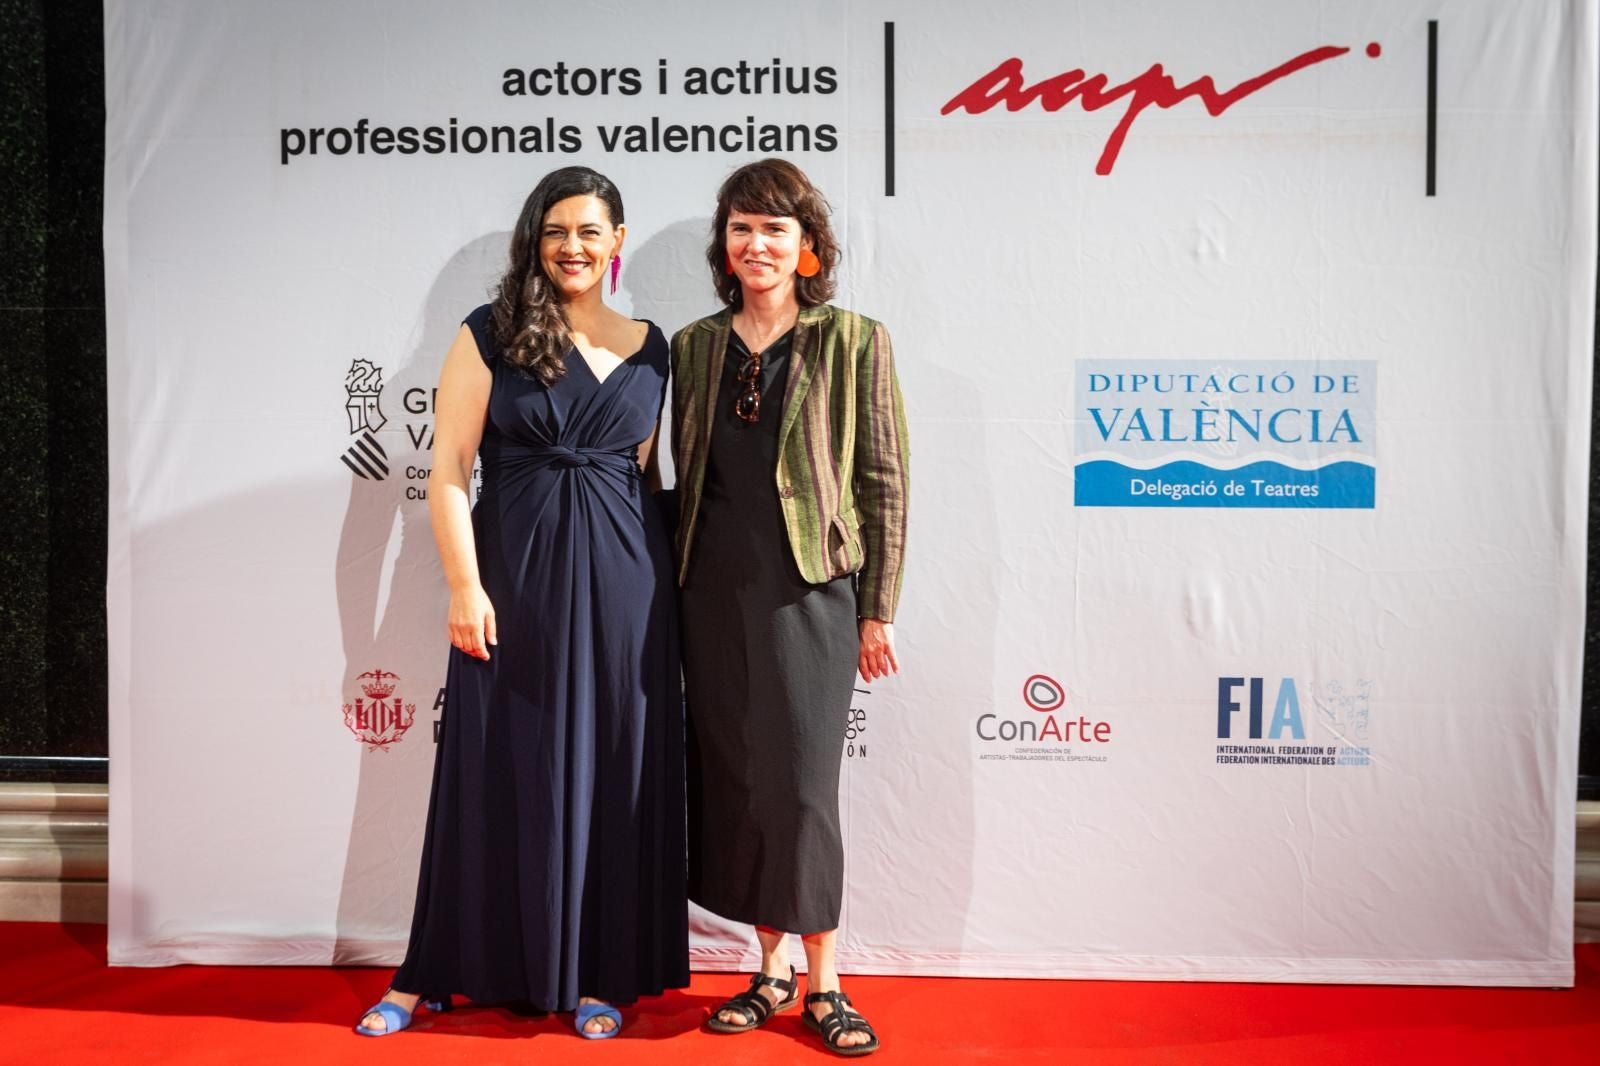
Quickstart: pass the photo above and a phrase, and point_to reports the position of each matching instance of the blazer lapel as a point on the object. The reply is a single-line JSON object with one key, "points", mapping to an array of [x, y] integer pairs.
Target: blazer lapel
{"points": [[804, 358], [711, 370]]}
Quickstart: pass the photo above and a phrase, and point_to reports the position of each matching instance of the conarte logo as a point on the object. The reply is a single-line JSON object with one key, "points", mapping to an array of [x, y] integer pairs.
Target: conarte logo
{"points": [[363, 385], [1044, 695], [1153, 88]]}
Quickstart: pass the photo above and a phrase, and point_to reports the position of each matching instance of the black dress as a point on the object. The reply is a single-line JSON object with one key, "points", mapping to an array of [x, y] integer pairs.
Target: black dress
{"points": [[554, 860], [768, 663]]}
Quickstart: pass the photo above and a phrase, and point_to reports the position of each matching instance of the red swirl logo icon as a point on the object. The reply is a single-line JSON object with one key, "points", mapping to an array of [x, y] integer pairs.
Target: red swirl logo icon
{"points": [[1043, 693]]}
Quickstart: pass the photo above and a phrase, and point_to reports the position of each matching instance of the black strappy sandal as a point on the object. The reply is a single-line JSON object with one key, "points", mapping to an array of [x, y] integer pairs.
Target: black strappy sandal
{"points": [[842, 1019], [754, 1006]]}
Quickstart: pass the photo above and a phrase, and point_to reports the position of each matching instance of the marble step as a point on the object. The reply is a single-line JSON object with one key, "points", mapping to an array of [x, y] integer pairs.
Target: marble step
{"points": [[1588, 876], [36, 796], [53, 901], [1587, 922], [61, 827], [53, 862]]}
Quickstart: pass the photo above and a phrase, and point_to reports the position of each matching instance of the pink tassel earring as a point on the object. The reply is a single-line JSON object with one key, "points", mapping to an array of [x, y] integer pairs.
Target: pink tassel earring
{"points": [[616, 267]]}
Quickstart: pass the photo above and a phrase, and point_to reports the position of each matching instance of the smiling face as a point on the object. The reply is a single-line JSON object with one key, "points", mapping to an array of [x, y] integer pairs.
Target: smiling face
{"points": [[764, 249], [577, 243]]}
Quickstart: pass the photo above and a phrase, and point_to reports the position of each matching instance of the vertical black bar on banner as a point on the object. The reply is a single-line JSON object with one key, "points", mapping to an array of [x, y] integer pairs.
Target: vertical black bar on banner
{"points": [[888, 109], [1433, 96]]}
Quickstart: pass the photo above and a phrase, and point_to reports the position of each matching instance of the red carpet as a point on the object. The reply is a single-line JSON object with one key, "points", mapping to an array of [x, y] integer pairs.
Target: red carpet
{"points": [[59, 1002]]}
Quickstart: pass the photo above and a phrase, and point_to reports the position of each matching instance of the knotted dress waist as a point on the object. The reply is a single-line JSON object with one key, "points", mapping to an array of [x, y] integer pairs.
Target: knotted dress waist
{"points": [[510, 459]]}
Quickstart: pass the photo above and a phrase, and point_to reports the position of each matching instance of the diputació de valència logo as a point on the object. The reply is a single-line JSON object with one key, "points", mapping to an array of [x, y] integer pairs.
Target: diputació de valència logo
{"points": [[363, 386], [1213, 433]]}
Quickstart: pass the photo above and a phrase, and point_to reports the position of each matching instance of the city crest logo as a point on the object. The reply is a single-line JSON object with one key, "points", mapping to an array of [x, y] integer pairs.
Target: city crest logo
{"points": [[363, 385], [378, 717]]}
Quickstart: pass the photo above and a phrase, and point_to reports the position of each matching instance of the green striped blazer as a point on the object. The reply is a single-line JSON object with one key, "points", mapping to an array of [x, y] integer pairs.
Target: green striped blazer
{"points": [[842, 476]]}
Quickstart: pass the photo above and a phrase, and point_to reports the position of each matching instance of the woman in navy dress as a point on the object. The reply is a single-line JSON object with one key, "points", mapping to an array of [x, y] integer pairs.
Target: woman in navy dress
{"points": [[553, 863]]}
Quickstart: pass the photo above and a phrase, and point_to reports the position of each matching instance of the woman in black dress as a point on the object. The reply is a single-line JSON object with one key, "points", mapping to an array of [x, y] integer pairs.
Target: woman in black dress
{"points": [[553, 862], [790, 446]]}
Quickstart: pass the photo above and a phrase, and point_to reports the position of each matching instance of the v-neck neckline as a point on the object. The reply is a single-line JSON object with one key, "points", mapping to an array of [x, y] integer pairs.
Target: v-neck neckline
{"points": [[598, 380], [787, 336]]}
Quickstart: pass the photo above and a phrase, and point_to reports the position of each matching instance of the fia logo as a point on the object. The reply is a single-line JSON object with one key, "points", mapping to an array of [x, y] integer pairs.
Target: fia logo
{"points": [[365, 457], [1285, 708]]}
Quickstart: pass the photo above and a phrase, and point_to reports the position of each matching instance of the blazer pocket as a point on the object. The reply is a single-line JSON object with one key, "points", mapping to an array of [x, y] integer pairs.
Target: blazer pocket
{"points": [[845, 551]]}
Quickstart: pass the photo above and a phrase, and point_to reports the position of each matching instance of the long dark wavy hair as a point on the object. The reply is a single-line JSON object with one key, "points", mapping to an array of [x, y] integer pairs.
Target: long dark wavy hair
{"points": [[774, 187], [530, 325]]}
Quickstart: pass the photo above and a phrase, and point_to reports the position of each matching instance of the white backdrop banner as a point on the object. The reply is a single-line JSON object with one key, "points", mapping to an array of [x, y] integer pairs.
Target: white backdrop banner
{"points": [[1246, 348]]}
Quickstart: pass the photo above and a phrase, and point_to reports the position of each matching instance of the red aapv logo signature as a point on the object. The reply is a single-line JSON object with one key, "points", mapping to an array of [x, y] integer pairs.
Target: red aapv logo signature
{"points": [[1155, 87], [379, 717]]}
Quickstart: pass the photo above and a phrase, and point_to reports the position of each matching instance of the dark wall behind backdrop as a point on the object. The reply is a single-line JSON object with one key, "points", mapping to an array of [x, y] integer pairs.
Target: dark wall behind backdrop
{"points": [[53, 358], [52, 343]]}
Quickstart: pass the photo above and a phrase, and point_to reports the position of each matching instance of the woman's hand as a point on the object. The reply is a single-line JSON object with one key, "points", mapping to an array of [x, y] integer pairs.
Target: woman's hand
{"points": [[472, 621], [877, 650]]}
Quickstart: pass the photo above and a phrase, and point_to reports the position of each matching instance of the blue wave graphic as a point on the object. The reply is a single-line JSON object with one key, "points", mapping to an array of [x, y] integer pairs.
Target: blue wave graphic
{"points": [[1183, 483]]}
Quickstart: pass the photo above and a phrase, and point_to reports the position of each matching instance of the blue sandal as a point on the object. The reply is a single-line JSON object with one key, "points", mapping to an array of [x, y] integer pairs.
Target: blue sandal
{"points": [[396, 1017], [588, 1012]]}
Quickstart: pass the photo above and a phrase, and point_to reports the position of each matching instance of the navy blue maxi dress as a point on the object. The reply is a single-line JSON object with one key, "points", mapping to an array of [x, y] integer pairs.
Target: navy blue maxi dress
{"points": [[553, 864]]}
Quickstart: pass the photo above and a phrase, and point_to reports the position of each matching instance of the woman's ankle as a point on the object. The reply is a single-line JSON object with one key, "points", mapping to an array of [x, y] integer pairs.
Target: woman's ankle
{"points": [[822, 981]]}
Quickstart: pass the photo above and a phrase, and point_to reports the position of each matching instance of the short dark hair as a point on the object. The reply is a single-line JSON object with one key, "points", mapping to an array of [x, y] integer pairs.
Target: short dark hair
{"points": [[774, 187]]}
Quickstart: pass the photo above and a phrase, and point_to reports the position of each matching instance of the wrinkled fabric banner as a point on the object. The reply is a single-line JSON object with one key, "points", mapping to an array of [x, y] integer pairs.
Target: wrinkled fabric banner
{"points": [[1246, 350]]}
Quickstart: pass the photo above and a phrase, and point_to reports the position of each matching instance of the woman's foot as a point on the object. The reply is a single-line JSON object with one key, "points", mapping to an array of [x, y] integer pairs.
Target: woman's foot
{"points": [[600, 1024], [376, 1024], [841, 1026], [751, 1008], [774, 983]]}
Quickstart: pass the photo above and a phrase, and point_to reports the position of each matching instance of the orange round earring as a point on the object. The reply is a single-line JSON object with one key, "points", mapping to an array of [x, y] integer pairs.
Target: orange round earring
{"points": [[809, 264], [729, 260]]}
